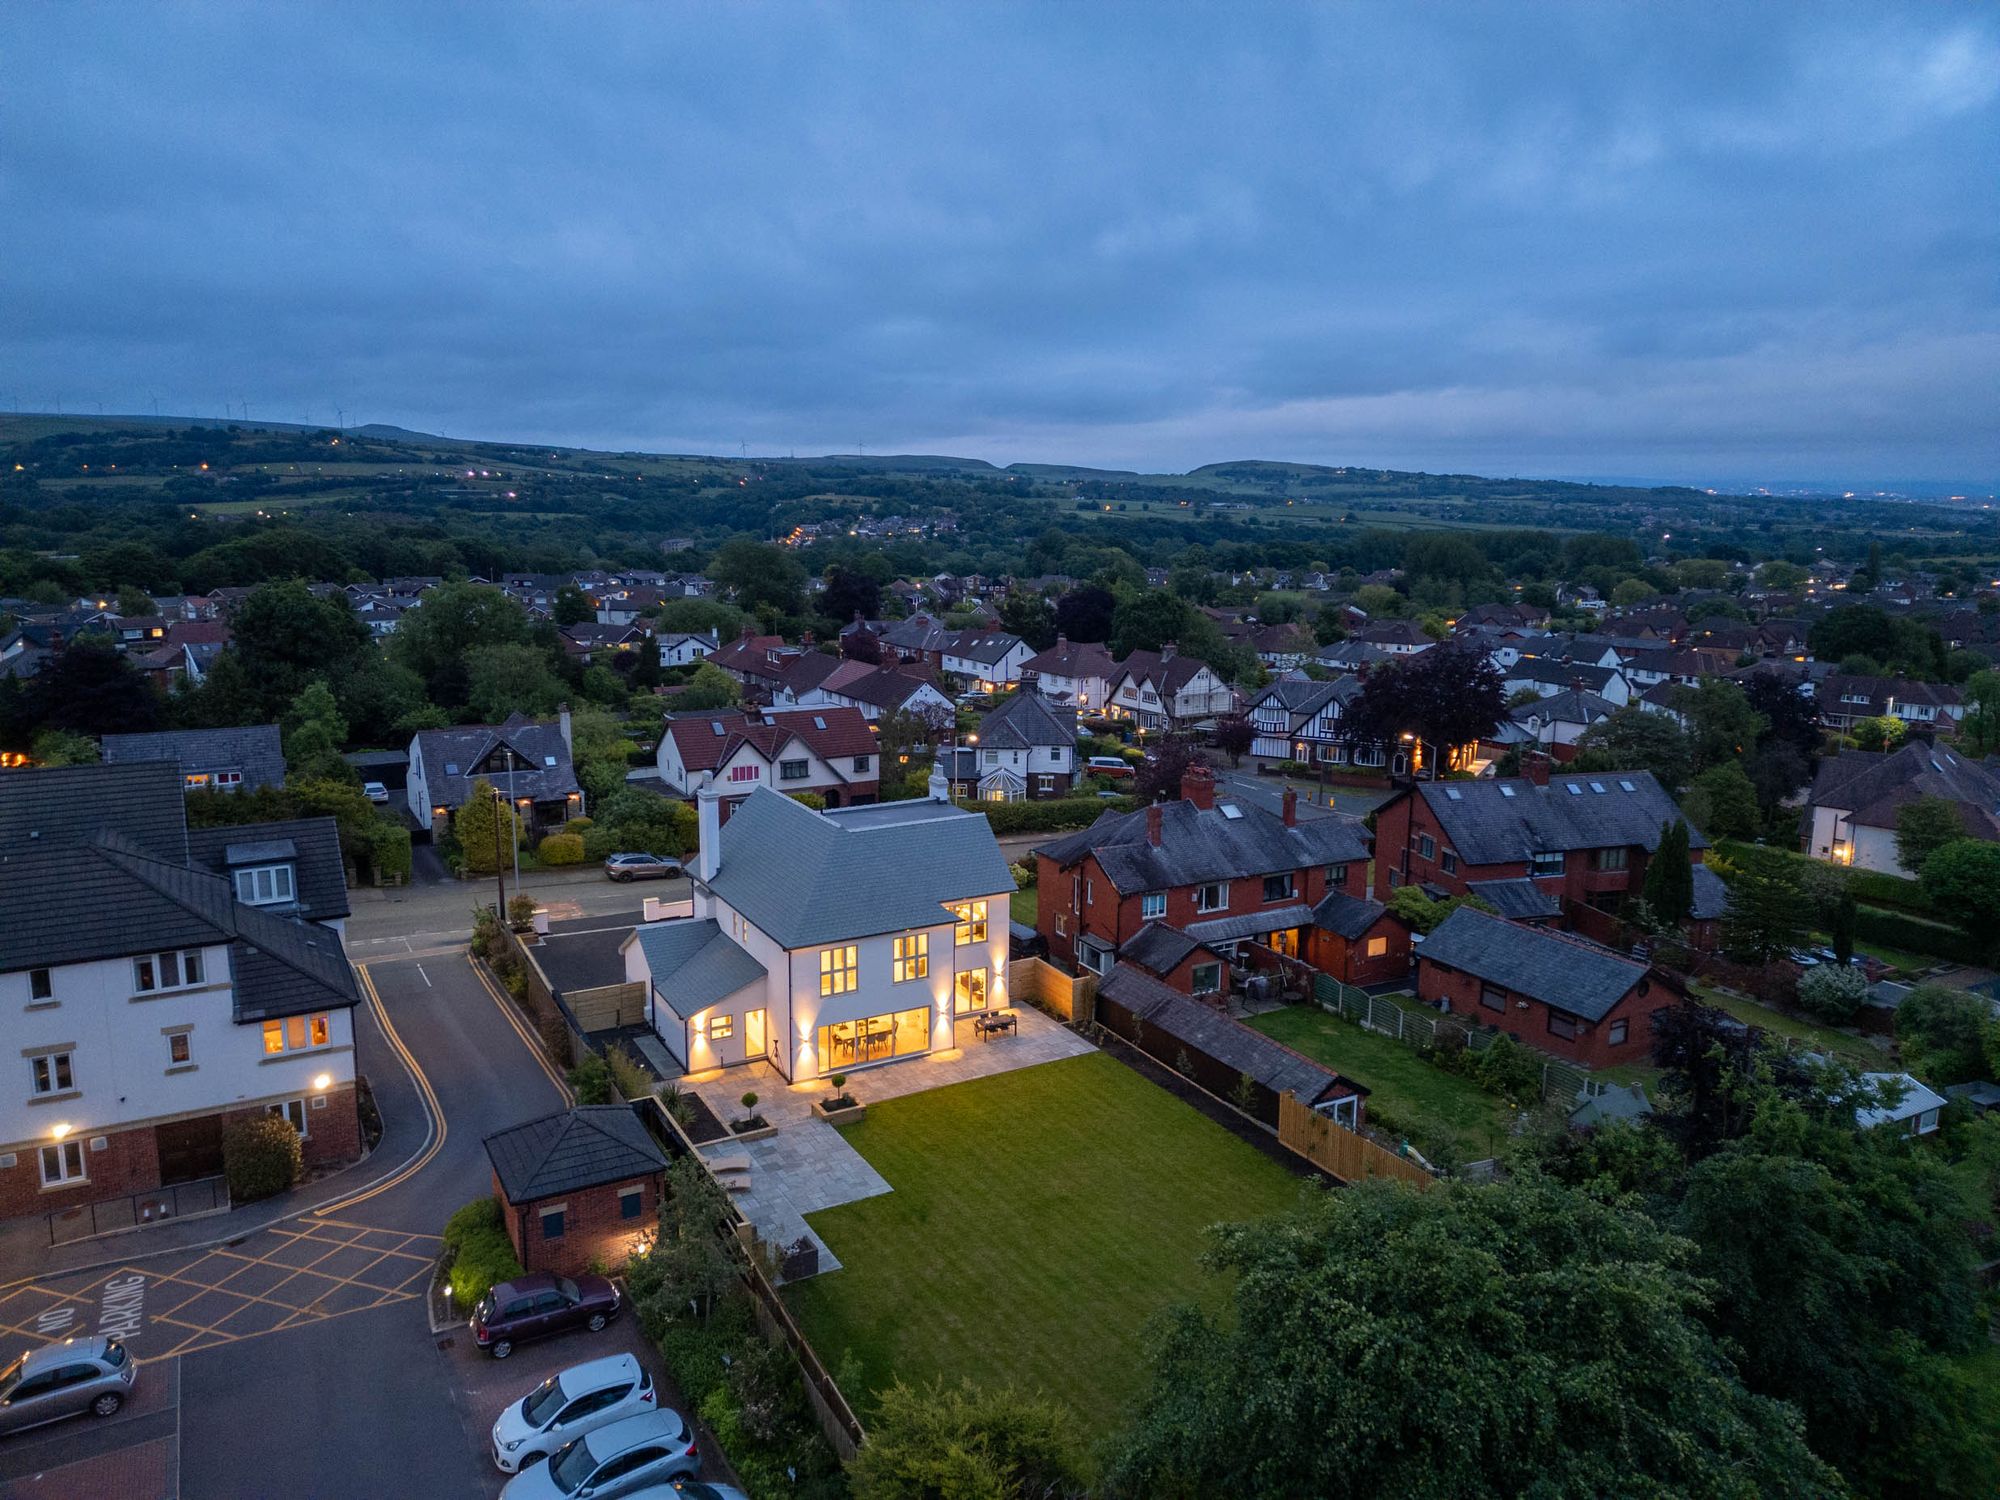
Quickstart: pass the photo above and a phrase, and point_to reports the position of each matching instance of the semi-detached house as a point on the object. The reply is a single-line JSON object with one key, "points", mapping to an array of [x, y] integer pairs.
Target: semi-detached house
{"points": [[829, 751], [148, 1002], [1165, 690], [822, 942]]}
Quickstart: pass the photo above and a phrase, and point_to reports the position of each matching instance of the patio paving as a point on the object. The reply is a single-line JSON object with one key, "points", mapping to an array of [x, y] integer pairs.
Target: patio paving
{"points": [[806, 1166]]}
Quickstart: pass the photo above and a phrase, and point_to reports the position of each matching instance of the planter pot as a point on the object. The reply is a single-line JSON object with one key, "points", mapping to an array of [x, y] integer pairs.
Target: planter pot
{"points": [[541, 920], [758, 1134], [846, 1116]]}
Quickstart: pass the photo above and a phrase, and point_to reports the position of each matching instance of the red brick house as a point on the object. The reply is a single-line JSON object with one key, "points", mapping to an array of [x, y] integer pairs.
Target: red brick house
{"points": [[1568, 848], [1225, 873], [578, 1186], [1357, 940], [1552, 991], [1183, 964]]}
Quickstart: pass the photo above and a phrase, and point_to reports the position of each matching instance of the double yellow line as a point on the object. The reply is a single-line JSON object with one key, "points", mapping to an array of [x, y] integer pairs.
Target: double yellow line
{"points": [[439, 1126], [528, 1039]]}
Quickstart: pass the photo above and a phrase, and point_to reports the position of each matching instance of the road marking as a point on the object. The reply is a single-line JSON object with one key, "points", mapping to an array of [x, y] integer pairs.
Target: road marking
{"points": [[438, 1126], [528, 1038], [426, 977], [124, 1307]]}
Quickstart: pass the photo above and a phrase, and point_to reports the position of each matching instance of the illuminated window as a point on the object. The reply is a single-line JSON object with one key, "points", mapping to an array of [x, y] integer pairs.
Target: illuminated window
{"points": [[913, 960], [837, 970], [297, 1033], [971, 922], [1377, 946], [970, 992], [721, 1028]]}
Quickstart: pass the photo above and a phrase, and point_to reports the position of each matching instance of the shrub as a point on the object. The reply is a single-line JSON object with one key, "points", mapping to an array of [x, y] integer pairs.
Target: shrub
{"points": [[1896, 930], [481, 1214], [1049, 817], [389, 851], [520, 911], [579, 824], [590, 1081], [1510, 1070], [633, 1081], [554, 1032], [485, 933], [482, 1258], [1832, 993], [260, 1157], [560, 849]]}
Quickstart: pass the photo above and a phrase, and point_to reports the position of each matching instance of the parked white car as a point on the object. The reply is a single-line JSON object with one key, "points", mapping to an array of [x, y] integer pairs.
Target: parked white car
{"points": [[564, 1407], [621, 1458]]}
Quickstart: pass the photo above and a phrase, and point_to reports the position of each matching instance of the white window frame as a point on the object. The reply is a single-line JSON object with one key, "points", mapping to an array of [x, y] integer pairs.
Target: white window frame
{"points": [[1201, 892], [188, 965], [1289, 891], [41, 985], [1152, 906], [46, 1072], [1538, 858], [303, 1026], [294, 1112], [67, 1154], [268, 885], [1195, 974]]}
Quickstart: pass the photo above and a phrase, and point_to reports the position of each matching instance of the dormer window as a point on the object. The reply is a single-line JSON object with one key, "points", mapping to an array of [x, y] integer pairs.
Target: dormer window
{"points": [[265, 885]]}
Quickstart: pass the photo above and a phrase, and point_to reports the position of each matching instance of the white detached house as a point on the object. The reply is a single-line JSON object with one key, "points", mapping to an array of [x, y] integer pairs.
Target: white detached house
{"points": [[825, 942]]}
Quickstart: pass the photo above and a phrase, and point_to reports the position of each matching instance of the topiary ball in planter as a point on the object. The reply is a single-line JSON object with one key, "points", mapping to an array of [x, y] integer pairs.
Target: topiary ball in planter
{"points": [[261, 1157]]}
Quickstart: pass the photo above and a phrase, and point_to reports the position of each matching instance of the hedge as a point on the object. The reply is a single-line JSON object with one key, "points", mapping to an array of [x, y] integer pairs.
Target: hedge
{"points": [[560, 849], [1049, 817], [1894, 929], [1872, 886], [389, 851], [481, 1254], [261, 1157]]}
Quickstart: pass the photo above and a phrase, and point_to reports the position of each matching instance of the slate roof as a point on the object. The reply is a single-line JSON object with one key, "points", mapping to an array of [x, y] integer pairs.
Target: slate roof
{"points": [[1228, 1041], [1196, 846], [706, 740], [1873, 786], [808, 879], [255, 750], [1518, 899], [1159, 948], [1617, 1102], [1492, 821], [1562, 674], [1564, 972], [1711, 896], [1027, 721], [694, 965], [468, 745], [1071, 659], [1303, 698], [984, 646], [573, 1149], [1567, 707], [1239, 925], [1348, 916], [879, 687], [311, 844], [65, 806], [1168, 674], [1917, 1097]]}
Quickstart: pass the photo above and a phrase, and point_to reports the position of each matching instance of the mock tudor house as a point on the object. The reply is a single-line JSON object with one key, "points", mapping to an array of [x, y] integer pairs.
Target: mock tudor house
{"points": [[1578, 841], [1858, 794], [822, 942], [1076, 673], [223, 760], [526, 760], [876, 691], [1024, 750], [1165, 690], [151, 1005], [1298, 719], [579, 1186], [683, 648], [984, 661], [1221, 872], [829, 751], [1552, 990], [1845, 701]]}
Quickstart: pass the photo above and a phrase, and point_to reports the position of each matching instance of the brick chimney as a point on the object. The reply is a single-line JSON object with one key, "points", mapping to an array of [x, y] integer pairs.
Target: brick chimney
{"points": [[1198, 787], [1155, 819], [1535, 766], [1290, 807]]}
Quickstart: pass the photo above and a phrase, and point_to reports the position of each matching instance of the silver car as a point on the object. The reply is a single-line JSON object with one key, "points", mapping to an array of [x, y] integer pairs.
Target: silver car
{"points": [[65, 1380], [622, 1459], [581, 1399], [642, 867]]}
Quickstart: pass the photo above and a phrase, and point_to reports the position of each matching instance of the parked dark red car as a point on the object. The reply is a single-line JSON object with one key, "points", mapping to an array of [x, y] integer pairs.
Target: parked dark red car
{"points": [[536, 1306]]}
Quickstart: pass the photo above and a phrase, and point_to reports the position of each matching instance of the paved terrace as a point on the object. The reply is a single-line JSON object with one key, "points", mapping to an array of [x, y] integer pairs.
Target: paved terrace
{"points": [[807, 1166]]}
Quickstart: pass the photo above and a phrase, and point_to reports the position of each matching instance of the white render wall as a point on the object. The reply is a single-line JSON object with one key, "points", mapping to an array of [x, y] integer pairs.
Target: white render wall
{"points": [[1874, 848], [120, 1054]]}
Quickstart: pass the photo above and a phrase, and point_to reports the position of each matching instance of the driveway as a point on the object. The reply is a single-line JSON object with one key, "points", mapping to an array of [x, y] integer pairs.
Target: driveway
{"points": [[294, 1357]]}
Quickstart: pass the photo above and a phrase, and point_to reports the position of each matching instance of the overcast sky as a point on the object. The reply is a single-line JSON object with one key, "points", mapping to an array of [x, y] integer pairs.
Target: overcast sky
{"points": [[1714, 243]]}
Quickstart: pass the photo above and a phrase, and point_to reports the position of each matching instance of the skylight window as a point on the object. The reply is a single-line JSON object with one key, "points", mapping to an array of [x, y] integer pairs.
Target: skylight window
{"points": [[1573, 789], [1231, 810], [1597, 787], [1506, 791], [451, 768], [1454, 793], [549, 761], [715, 727], [1627, 786], [819, 721]]}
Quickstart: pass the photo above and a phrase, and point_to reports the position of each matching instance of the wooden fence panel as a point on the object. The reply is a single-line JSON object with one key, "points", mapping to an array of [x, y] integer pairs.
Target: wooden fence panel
{"points": [[1046, 987], [1348, 1156]]}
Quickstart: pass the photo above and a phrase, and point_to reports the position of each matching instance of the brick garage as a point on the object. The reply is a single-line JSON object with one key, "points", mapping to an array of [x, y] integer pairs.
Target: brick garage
{"points": [[578, 1186], [1554, 992]]}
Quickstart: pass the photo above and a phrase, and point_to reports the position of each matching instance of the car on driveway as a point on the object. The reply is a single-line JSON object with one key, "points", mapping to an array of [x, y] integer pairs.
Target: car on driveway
{"points": [[1107, 765], [78, 1375], [539, 1305], [642, 867], [374, 791], [622, 1459], [580, 1399]]}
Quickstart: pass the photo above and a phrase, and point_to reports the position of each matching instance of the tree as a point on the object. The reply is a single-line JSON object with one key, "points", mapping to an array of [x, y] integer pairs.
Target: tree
{"points": [[1634, 740], [1832, 992], [1025, 613], [89, 688], [509, 679], [1947, 1035], [1779, 574], [1166, 763], [598, 749], [1884, 733], [1421, 914], [1776, 770], [1445, 697], [1148, 621], [944, 1441], [571, 607], [1084, 613], [1715, 1073], [1631, 591], [1233, 736], [710, 687], [850, 594], [484, 827], [63, 747], [1668, 890], [1963, 878], [1722, 726], [1923, 827], [1384, 1341], [1841, 925], [1723, 803], [1767, 918], [314, 731], [759, 576], [283, 636], [1979, 731], [434, 639], [1789, 715]]}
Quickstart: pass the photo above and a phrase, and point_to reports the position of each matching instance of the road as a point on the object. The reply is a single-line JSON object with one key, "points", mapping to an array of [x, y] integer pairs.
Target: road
{"points": [[435, 917], [294, 1358]]}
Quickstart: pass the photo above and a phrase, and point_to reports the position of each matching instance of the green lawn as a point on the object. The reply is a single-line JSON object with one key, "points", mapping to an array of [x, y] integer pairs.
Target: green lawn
{"points": [[1778, 1024], [1405, 1087], [1022, 906], [1038, 1219]]}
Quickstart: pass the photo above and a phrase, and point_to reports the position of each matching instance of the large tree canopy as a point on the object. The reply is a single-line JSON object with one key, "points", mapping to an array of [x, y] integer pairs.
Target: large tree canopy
{"points": [[433, 639], [1503, 1340], [1448, 695]]}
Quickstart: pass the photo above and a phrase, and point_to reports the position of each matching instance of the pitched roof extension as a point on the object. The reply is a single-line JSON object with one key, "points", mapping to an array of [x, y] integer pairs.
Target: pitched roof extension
{"points": [[693, 964], [254, 750], [573, 1149], [1566, 972], [1028, 721], [1504, 820]]}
